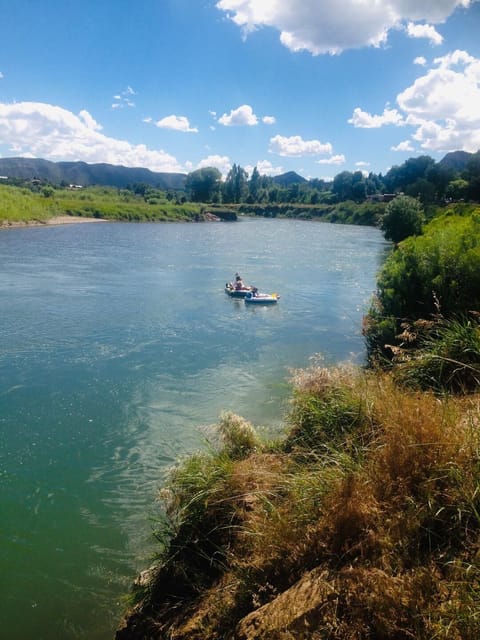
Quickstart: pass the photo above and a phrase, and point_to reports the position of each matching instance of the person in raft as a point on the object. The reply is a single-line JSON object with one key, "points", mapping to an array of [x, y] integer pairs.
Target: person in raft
{"points": [[239, 284]]}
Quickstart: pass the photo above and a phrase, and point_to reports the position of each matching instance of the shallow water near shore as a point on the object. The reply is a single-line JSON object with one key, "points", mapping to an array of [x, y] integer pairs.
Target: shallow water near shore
{"points": [[118, 346]]}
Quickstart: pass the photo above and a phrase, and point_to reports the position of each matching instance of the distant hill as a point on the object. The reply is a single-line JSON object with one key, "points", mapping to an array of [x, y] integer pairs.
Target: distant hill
{"points": [[85, 174], [286, 179], [456, 160]]}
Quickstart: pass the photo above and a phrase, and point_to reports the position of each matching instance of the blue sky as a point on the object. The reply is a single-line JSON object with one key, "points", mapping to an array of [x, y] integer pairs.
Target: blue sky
{"points": [[312, 86]]}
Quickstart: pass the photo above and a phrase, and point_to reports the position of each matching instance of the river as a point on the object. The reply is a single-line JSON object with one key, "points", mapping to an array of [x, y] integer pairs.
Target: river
{"points": [[118, 345]]}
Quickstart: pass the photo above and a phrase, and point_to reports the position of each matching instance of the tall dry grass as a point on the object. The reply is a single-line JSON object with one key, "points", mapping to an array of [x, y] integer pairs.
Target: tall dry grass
{"points": [[382, 510]]}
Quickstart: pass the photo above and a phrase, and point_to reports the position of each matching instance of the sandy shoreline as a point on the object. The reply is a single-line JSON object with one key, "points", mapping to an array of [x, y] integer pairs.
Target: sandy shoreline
{"points": [[11, 224]]}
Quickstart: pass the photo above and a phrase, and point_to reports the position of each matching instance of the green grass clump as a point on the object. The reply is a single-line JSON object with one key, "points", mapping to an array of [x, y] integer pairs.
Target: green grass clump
{"points": [[326, 408], [446, 357]]}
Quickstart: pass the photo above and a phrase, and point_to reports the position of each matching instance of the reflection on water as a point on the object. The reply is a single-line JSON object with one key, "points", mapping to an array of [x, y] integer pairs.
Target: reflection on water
{"points": [[118, 343]]}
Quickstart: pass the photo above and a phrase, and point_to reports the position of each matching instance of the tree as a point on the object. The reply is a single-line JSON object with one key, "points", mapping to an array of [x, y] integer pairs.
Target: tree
{"points": [[440, 176], [349, 186], [457, 189], [254, 185], [203, 184], [342, 185], [403, 217], [398, 178], [423, 190], [235, 188], [472, 174]]}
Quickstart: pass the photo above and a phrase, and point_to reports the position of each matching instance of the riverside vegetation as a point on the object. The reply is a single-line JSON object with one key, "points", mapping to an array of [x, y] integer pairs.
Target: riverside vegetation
{"points": [[351, 197], [362, 520], [22, 204], [139, 204]]}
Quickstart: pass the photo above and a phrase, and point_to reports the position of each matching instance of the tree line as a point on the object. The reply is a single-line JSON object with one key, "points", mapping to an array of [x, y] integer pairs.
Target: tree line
{"points": [[421, 177]]}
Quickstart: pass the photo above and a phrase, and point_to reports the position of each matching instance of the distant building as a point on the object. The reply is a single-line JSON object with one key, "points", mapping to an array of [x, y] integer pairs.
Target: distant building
{"points": [[381, 197]]}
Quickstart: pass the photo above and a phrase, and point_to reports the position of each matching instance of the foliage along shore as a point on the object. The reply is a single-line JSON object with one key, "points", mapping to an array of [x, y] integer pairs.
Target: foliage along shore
{"points": [[361, 520], [351, 197], [20, 206]]}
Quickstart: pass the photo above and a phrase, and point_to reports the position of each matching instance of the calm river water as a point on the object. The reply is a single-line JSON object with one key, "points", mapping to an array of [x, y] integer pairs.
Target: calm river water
{"points": [[117, 345]]}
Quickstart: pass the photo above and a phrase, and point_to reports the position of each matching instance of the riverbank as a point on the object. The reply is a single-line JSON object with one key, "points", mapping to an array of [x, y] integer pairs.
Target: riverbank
{"points": [[362, 522], [54, 221]]}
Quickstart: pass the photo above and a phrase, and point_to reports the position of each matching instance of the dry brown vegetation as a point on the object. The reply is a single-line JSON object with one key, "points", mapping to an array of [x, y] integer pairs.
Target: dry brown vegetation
{"points": [[362, 522]]}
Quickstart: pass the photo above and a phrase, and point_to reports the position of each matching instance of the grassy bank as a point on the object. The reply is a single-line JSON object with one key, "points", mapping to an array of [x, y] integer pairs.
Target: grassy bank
{"points": [[23, 205], [348, 212], [363, 521]]}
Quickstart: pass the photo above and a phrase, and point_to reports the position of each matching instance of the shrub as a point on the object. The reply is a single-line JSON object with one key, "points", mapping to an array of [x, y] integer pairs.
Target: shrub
{"points": [[326, 408], [403, 217], [447, 357]]}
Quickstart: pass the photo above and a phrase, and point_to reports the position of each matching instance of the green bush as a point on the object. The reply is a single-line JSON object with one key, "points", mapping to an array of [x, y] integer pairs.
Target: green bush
{"points": [[403, 217], [447, 358], [432, 279]]}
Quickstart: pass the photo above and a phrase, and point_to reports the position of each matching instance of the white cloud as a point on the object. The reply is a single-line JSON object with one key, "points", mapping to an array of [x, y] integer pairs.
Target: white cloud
{"points": [[269, 120], [338, 24], [363, 120], [362, 163], [420, 60], [1, 75], [444, 104], [242, 116], [338, 159], [222, 163], [406, 145], [36, 129], [177, 123], [424, 31], [123, 99], [90, 122], [296, 147], [265, 168]]}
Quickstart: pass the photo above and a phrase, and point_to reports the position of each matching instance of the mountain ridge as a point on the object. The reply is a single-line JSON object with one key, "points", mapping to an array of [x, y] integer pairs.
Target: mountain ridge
{"points": [[84, 174]]}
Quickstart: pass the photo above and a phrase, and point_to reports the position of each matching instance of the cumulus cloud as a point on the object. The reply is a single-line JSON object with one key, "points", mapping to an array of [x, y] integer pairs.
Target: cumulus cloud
{"points": [[336, 25], [296, 147], [424, 31], [406, 145], [363, 120], [420, 60], [242, 116], [177, 123], [338, 159], [265, 168], [269, 120], [442, 106], [42, 130], [222, 163]]}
